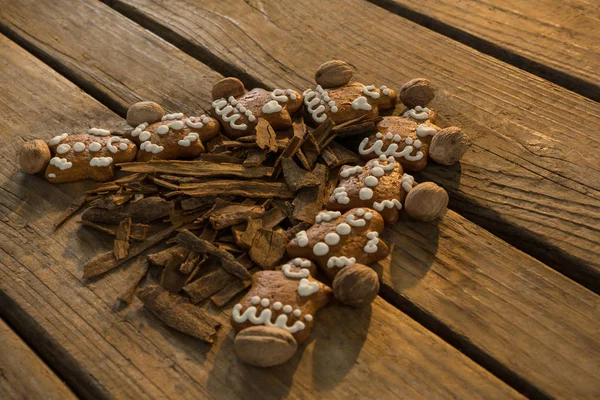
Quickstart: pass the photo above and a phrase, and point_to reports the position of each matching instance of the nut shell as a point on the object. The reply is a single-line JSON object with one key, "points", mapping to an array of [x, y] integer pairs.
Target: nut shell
{"points": [[227, 87], [144, 111], [417, 92], [333, 73], [265, 346], [448, 146], [356, 285], [34, 156], [426, 202]]}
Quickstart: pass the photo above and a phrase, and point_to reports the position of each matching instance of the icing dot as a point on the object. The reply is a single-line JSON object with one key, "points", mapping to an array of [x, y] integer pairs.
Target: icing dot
{"points": [[332, 239], [369, 216], [382, 157], [378, 172], [360, 212], [146, 135], [177, 125], [277, 305], [379, 135], [302, 239], [397, 138], [320, 249], [266, 302], [78, 147], [297, 313], [51, 175], [161, 130], [371, 181], [343, 229], [255, 300], [389, 135], [63, 148], [287, 309], [365, 194], [95, 146], [308, 317], [408, 141], [123, 146]]}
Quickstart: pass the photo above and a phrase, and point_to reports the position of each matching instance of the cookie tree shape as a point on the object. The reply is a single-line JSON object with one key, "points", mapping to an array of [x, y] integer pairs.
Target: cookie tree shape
{"points": [[239, 111], [337, 240], [380, 184], [286, 299], [169, 136], [337, 98], [84, 156]]}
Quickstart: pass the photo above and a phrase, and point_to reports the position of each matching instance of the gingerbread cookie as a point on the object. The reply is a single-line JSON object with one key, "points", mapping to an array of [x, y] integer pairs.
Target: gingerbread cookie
{"points": [[286, 299], [238, 110], [84, 156], [381, 184], [337, 98], [338, 240], [169, 136]]}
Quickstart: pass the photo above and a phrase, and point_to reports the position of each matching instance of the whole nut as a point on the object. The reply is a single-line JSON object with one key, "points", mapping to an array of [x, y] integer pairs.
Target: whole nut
{"points": [[333, 73], [264, 346], [34, 156], [144, 111], [448, 146], [227, 87], [417, 92], [426, 202], [356, 285]]}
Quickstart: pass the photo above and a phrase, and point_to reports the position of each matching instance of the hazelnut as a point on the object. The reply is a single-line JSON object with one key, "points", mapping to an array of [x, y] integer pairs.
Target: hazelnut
{"points": [[227, 87], [34, 156], [426, 202], [448, 146], [264, 346], [333, 73], [144, 111], [416, 92], [356, 285]]}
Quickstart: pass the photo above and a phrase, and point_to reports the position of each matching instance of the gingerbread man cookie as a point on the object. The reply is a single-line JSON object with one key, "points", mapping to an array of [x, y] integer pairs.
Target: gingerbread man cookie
{"points": [[338, 240], [381, 184], [337, 98], [70, 158], [239, 110], [170, 136], [287, 299]]}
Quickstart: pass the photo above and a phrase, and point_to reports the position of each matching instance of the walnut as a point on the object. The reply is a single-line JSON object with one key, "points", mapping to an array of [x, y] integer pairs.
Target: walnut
{"points": [[426, 202], [227, 87], [144, 111], [265, 346], [448, 146], [333, 73], [417, 92], [356, 285], [34, 156]]}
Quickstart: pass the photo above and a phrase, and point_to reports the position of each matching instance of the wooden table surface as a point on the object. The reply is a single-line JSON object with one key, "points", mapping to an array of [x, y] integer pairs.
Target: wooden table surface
{"points": [[498, 300]]}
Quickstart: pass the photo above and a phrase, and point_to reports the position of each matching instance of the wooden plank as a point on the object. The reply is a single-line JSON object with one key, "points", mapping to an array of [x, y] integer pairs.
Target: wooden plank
{"points": [[104, 352], [531, 175], [555, 40], [23, 375]]}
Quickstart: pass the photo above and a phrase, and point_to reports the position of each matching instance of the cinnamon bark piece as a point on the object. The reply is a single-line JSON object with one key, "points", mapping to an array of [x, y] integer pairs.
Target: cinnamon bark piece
{"points": [[252, 189], [192, 261], [172, 278], [228, 262], [294, 143], [201, 289], [225, 295], [273, 217], [311, 150], [343, 155], [161, 258], [197, 169], [296, 177], [303, 160], [268, 248], [178, 314], [245, 238], [265, 135], [68, 213], [194, 203], [358, 126], [226, 157], [121, 243], [144, 211], [135, 274], [323, 132], [138, 232], [256, 157], [105, 262], [117, 183], [234, 214], [309, 202]]}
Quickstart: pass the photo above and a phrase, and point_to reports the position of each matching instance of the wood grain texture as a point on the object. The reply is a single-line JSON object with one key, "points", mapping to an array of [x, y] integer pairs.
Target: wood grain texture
{"points": [[531, 175], [555, 40], [23, 375], [106, 352]]}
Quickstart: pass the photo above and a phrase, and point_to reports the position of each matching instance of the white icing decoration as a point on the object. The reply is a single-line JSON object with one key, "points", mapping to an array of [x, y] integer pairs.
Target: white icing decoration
{"points": [[355, 222], [265, 302], [390, 151], [114, 149], [377, 171], [170, 117], [315, 102], [291, 94], [265, 318], [139, 129], [340, 195], [60, 163], [370, 91], [302, 239], [327, 216], [57, 139], [287, 271], [320, 249], [418, 113], [98, 132], [196, 122], [151, 147], [306, 287], [308, 317], [343, 229], [361, 103], [277, 306], [357, 169], [407, 182], [101, 161], [384, 89], [340, 262], [272, 107], [94, 147], [162, 130], [365, 194], [145, 135], [371, 246], [78, 147], [387, 204], [369, 216], [279, 96], [300, 262], [229, 114], [332, 238], [359, 212], [188, 139], [391, 163], [371, 181], [51, 175], [425, 130], [255, 300], [297, 313], [176, 126], [63, 148]]}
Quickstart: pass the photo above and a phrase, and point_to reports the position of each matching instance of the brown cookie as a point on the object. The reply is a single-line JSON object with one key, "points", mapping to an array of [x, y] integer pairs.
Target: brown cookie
{"points": [[337, 240], [287, 299], [174, 137], [380, 184], [87, 156], [239, 113]]}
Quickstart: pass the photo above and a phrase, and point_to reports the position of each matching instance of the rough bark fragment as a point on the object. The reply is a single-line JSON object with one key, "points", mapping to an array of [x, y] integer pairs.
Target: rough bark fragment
{"points": [[225, 295], [234, 214], [252, 189], [256, 157], [139, 269], [139, 232], [161, 258], [121, 243], [201, 289], [172, 278], [296, 177], [309, 202], [72, 209], [192, 261], [265, 135], [245, 238], [268, 248], [144, 211], [197, 169], [273, 217], [343, 155]]}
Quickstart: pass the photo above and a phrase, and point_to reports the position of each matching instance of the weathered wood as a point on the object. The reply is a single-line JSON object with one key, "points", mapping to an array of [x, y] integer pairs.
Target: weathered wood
{"points": [[23, 375], [531, 175], [555, 40], [128, 353]]}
